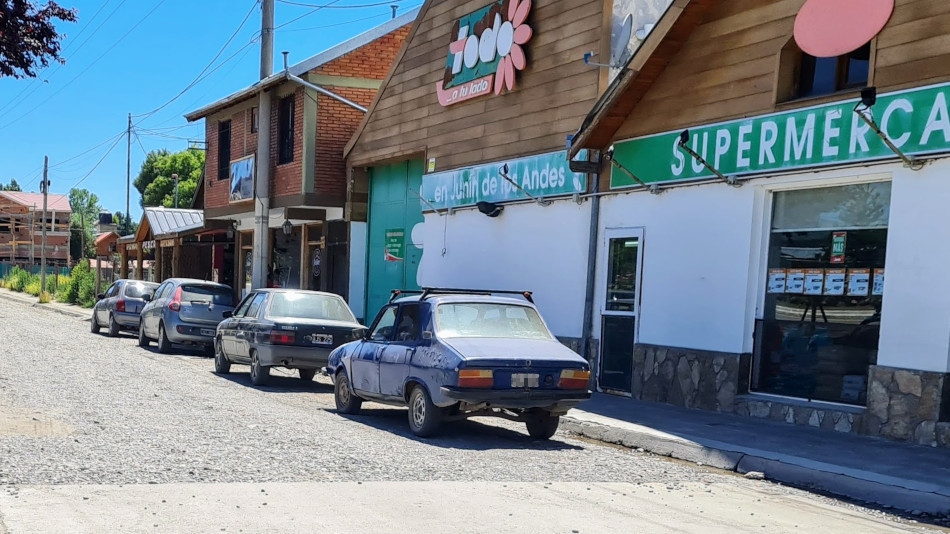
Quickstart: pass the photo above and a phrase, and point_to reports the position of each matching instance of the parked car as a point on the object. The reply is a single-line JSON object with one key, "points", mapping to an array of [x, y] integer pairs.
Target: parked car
{"points": [[119, 307], [184, 311], [289, 328], [453, 354]]}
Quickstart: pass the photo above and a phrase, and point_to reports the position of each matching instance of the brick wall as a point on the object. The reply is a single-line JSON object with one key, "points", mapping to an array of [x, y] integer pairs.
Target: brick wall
{"points": [[336, 123], [243, 143]]}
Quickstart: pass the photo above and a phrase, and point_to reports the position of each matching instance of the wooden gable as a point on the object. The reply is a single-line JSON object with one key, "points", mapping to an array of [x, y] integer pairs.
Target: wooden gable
{"points": [[551, 96]]}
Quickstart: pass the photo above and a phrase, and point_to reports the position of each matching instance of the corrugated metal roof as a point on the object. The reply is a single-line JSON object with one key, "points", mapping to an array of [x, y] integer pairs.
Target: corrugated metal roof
{"points": [[59, 203], [164, 221]]}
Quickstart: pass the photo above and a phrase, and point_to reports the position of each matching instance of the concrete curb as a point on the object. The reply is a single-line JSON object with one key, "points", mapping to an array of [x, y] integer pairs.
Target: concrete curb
{"points": [[863, 485], [78, 313]]}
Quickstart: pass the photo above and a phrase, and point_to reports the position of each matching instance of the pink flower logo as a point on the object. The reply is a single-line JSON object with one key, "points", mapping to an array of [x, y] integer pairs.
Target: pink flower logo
{"points": [[511, 36]]}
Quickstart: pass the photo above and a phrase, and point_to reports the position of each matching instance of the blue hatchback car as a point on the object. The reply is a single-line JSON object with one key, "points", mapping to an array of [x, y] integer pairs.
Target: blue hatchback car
{"points": [[453, 354]]}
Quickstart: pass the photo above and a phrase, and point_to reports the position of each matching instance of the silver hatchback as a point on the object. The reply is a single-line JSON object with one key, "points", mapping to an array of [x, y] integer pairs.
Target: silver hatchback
{"points": [[184, 311]]}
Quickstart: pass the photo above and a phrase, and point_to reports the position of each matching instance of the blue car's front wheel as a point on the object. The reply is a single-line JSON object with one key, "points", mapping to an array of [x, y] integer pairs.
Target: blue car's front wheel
{"points": [[346, 401]]}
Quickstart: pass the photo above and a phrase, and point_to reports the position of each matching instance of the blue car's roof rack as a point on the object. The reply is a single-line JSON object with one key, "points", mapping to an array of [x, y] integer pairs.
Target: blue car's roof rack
{"points": [[430, 291]]}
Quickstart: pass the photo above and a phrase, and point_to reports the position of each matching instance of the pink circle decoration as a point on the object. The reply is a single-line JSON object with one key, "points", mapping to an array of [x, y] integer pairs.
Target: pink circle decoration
{"points": [[831, 28]]}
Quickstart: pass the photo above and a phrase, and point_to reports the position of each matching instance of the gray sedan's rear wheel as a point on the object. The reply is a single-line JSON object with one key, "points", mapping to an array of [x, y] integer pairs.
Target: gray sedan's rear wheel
{"points": [[164, 345], [346, 401], [113, 326], [222, 365], [424, 416], [259, 373], [541, 424], [94, 324], [307, 374]]}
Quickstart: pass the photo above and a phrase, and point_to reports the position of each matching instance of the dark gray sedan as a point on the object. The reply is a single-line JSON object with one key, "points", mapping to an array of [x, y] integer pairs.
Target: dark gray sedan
{"points": [[288, 328], [119, 307]]}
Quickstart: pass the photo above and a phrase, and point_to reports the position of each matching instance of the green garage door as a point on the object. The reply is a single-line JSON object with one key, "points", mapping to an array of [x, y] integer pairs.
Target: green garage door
{"points": [[394, 209]]}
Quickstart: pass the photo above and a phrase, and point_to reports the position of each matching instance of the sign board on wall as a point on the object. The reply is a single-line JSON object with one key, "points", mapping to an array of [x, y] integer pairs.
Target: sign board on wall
{"points": [[242, 179], [916, 120], [486, 51], [541, 176], [395, 244]]}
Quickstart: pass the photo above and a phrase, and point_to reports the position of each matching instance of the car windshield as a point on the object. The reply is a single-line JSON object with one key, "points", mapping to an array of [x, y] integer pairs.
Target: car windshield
{"points": [[136, 291], [214, 294], [310, 306], [489, 319]]}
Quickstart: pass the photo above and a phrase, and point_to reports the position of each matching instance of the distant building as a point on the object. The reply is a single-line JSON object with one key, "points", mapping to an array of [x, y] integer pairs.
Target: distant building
{"points": [[21, 228], [106, 223]]}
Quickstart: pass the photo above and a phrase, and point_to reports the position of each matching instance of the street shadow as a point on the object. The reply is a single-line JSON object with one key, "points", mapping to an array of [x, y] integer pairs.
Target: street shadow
{"points": [[277, 383], [467, 434]]}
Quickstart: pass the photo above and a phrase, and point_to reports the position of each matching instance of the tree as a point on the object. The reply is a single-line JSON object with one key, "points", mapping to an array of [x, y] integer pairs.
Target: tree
{"points": [[12, 186], [85, 208], [155, 182], [123, 226], [28, 37]]}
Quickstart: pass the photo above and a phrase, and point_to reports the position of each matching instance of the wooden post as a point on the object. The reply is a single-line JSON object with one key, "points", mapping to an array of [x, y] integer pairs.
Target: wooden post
{"points": [[139, 267], [98, 274], [176, 259], [124, 268], [159, 263]]}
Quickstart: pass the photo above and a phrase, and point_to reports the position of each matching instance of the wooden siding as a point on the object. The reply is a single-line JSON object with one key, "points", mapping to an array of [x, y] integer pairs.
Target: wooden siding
{"points": [[728, 67], [551, 97]]}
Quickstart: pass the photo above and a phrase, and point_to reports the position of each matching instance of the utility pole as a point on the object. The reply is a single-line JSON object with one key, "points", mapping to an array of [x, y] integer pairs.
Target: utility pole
{"points": [[261, 254], [128, 172], [44, 187], [175, 177], [33, 235]]}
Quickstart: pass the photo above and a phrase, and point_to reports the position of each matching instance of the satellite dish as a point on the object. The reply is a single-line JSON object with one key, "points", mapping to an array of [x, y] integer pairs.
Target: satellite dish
{"points": [[621, 38]]}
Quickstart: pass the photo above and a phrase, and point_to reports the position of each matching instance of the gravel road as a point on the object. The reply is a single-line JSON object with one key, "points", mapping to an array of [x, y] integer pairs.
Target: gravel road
{"points": [[87, 409]]}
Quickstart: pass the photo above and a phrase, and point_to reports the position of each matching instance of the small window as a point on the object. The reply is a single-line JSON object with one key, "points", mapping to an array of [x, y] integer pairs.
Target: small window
{"points": [[408, 328], [285, 130], [383, 328], [224, 150], [254, 120], [804, 76], [244, 305], [256, 305], [112, 290]]}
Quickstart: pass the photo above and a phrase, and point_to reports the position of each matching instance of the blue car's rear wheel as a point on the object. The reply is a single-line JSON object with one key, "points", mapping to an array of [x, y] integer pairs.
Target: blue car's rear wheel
{"points": [[424, 416], [541, 424]]}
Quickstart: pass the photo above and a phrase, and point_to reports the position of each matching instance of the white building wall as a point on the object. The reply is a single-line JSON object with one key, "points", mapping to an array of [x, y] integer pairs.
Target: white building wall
{"points": [[528, 247], [915, 317], [705, 256]]}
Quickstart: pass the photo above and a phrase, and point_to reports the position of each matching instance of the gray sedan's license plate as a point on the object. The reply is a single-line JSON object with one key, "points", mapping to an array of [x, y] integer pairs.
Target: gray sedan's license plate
{"points": [[524, 380], [207, 332], [321, 339]]}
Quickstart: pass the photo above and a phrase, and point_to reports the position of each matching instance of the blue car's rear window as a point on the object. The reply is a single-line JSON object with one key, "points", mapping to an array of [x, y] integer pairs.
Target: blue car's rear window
{"points": [[489, 319], [216, 295]]}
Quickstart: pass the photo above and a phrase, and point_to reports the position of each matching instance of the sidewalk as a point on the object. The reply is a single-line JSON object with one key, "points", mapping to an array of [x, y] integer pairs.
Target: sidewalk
{"points": [[66, 309], [900, 475]]}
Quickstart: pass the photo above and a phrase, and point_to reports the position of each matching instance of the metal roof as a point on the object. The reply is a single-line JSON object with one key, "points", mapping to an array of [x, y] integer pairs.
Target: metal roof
{"points": [[165, 221], [307, 65], [58, 203]]}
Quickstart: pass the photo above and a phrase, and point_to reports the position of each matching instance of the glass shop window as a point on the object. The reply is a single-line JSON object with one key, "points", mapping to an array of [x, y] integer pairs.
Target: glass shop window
{"points": [[821, 321]]}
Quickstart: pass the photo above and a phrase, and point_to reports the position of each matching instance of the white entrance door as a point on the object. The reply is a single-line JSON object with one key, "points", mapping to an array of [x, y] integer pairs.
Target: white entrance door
{"points": [[621, 308]]}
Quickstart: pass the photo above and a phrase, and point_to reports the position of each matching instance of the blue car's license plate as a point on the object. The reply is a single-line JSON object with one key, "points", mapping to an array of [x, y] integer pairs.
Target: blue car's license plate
{"points": [[207, 332], [524, 380]]}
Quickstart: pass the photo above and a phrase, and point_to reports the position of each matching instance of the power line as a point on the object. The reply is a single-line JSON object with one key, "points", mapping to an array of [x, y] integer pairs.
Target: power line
{"points": [[208, 66], [307, 14], [61, 89], [139, 141], [329, 6], [338, 23], [104, 156]]}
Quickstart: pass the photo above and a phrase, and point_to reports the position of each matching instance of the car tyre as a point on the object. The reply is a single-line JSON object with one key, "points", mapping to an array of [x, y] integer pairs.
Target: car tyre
{"points": [[541, 424], [94, 324], [259, 373], [222, 365], [346, 401], [113, 326], [307, 374], [143, 339], [164, 345], [424, 416]]}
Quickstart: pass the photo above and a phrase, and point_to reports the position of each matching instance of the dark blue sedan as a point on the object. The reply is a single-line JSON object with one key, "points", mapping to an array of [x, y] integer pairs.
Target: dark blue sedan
{"points": [[452, 354]]}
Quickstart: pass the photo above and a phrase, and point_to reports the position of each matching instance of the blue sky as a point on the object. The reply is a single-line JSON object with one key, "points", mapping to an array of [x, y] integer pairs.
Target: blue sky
{"points": [[132, 56]]}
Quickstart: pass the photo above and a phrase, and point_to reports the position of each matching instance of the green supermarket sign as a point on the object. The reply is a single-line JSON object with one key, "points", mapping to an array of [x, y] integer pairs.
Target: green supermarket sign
{"points": [[917, 121]]}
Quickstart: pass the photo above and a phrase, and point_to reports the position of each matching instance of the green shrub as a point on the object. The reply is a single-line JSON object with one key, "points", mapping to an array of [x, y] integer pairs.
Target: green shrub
{"points": [[44, 298], [18, 279], [33, 288], [61, 285], [81, 285]]}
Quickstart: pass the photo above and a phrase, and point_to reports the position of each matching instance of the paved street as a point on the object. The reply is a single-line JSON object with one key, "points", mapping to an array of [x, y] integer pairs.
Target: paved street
{"points": [[97, 434]]}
